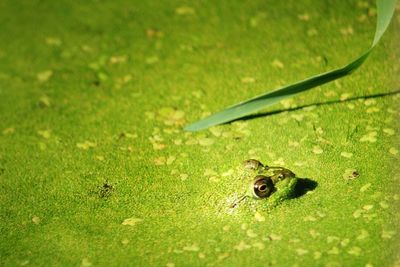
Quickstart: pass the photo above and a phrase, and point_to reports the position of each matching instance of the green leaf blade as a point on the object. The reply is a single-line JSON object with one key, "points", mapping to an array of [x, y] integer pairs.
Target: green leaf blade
{"points": [[237, 111]]}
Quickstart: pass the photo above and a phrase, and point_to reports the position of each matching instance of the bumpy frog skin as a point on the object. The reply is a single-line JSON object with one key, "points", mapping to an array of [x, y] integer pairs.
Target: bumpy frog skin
{"points": [[271, 184]]}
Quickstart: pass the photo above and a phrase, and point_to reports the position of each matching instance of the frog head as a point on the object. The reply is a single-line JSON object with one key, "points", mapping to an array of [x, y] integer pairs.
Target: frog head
{"points": [[263, 182]]}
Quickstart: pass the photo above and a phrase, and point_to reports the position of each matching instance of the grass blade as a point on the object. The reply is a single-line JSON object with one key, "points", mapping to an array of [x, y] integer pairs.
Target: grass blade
{"points": [[385, 12]]}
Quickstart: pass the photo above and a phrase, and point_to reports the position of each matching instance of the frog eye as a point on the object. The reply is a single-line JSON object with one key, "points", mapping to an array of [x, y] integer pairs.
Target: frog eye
{"points": [[252, 164], [262, 186]]}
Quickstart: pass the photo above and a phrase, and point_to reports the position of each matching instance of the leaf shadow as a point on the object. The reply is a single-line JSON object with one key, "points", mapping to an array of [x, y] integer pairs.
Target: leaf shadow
{"points": [[274, 112]]}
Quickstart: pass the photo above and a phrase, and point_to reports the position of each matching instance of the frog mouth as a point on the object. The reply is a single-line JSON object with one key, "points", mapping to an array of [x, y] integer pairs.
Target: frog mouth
{"points": [[237, 201]]}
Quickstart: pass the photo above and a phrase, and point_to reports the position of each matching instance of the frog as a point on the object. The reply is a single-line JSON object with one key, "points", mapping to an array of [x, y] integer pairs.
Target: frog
{"points": [[272, 184]]}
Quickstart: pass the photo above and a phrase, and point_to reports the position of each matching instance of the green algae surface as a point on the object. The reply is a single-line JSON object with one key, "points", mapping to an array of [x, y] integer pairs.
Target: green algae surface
{"points": [[96, 170]]}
